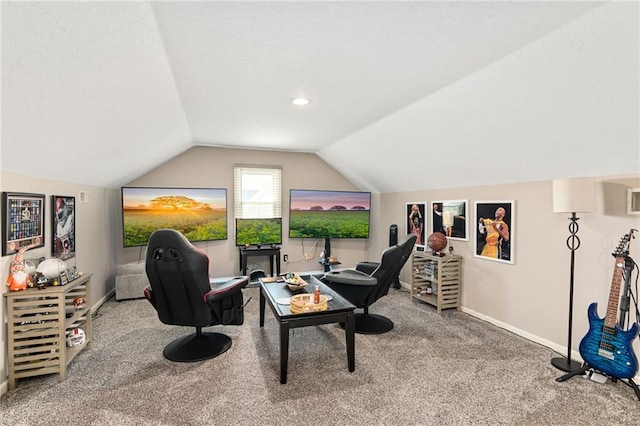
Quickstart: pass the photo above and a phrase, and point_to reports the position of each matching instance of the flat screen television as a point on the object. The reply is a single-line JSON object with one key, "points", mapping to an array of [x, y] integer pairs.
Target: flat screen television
{"points": [[199, 213], [329, 214], [258, 232]]}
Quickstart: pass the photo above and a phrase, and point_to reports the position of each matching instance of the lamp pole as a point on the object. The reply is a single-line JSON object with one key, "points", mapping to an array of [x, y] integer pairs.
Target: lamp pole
{"points": [[573, 242]]}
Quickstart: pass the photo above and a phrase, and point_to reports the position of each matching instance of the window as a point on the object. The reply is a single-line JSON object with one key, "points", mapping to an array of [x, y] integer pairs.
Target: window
{"points": [[258, 192]]}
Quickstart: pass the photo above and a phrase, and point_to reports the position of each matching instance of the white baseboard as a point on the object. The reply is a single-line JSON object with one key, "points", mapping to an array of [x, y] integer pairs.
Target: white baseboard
{"points": [[4, 387], [561, 350], [537, 339], [103, 300]]}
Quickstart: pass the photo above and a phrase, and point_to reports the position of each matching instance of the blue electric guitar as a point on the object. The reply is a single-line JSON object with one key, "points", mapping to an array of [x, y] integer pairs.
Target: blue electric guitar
{"points": [[606, 347]]}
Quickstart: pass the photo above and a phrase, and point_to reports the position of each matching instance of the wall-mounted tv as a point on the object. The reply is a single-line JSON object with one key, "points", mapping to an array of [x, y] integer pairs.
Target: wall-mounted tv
{"points": [[329, 214], [199, 213], [258, 232]]}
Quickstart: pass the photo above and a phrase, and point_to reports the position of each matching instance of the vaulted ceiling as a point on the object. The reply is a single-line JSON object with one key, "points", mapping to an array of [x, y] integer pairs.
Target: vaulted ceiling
{"points": [[501, 91]]}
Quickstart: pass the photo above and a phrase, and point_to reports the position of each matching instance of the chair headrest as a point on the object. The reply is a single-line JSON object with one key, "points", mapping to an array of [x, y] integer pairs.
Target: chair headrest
{"points": [[408, 240], [166, 237], [171, 245]]}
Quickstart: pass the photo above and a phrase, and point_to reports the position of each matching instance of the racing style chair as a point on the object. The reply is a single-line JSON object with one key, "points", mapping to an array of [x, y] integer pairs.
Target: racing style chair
{"points": [[183, 294], [363, 289], [406, 245]]}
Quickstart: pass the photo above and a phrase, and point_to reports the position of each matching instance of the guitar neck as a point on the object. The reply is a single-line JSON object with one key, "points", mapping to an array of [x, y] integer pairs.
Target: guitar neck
{"points": [[614, 294]]}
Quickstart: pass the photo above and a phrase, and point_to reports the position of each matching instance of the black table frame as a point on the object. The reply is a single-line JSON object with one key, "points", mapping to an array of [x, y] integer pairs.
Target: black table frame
{"points": [[339, 311], [272, 252]]}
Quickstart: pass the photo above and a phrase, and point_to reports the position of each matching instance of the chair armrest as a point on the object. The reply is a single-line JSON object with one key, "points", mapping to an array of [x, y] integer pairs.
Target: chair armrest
{"points": [[351, 277], [148, 294], [220, 290], [367, 267]]}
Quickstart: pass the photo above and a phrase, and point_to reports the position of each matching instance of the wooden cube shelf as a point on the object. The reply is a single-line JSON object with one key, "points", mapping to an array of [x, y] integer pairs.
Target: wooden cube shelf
{"points": [[436, 280], [38, 324]]}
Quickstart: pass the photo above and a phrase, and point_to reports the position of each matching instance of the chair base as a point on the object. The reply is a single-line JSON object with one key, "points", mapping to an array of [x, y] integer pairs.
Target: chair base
{"points": [[371, 324], [197, 347]]}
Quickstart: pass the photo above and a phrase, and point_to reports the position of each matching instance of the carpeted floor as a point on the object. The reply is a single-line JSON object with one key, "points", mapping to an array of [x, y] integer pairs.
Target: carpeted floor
{"points": [[430, 369]]}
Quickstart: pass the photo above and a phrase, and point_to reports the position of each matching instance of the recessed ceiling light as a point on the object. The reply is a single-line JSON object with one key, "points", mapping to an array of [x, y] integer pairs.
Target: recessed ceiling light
{"points": [[300, 101]]}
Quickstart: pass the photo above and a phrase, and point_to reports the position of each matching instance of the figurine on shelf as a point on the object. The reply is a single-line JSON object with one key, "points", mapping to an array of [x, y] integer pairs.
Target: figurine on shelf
{"points": [[18, 278], [40, 281], [79, 302]]}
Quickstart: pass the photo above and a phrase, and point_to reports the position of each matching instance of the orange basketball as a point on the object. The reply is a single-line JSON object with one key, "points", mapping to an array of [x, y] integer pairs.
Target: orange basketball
{"points": [[437, 241]]}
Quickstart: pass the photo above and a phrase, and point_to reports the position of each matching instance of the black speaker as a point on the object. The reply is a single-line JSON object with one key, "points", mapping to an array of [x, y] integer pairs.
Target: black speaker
{"points": [[393, 240], [393, 235]]}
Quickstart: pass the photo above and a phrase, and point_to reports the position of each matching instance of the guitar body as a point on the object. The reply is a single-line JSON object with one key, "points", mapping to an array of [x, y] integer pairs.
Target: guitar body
{"points": [[609, 349]]}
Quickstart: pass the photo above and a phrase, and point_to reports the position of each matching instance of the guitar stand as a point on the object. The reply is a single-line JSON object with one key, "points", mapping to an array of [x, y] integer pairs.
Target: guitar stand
{"points": [[629, 382]]}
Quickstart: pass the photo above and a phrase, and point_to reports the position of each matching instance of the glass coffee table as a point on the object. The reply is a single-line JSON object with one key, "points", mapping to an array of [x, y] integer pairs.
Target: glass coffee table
{"points": [[339, 310]]}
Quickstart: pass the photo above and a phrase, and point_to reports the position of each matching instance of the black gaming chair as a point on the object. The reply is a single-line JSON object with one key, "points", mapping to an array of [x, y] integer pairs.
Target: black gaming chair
{"points": [[406, 245], [182, 293], [364, 289]]}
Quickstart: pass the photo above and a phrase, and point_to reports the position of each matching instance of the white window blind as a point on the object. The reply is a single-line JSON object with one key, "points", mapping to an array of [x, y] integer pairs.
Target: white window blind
{"points": [[257, 192]]}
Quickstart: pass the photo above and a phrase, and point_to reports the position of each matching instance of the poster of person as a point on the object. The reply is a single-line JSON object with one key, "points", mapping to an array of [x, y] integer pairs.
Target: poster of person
{"points": [[64, 228], [416, 221], [495, 230], [450, 218]]}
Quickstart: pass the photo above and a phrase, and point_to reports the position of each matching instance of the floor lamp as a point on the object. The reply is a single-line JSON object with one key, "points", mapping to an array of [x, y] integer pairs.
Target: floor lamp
{"points": [[572, 195]]}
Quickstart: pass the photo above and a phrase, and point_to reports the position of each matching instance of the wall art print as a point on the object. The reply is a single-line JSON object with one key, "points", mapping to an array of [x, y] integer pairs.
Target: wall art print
{"points": [[63, 214], [22, 221], [451, 218], [416, 221], [495, 224]]}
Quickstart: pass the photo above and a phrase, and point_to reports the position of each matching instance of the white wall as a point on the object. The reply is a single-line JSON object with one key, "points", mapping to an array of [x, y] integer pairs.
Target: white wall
{"points": [[99, 222], [95, 242], [213, 167], [530, 297]]}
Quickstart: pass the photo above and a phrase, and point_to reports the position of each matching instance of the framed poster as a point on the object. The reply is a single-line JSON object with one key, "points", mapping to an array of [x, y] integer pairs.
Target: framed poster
{"points": [[450, 218], [415, 221], [22, 221], [63, 226], [494, 230]]}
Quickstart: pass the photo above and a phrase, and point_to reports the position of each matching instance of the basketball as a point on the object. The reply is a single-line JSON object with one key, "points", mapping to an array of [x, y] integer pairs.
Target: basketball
{"points": [[437, 241]]}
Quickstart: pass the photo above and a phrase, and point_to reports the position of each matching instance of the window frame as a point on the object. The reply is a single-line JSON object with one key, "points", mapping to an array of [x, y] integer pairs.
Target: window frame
{"points": [[268, 203]]}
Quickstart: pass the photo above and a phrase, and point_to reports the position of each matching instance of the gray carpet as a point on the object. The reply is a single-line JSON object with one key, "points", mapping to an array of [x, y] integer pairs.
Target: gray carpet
{"points": [[449, 370]]}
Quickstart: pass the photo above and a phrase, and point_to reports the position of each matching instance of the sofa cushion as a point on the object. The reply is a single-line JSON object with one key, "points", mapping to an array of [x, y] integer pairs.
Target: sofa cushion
{"points": [[131, 280]]}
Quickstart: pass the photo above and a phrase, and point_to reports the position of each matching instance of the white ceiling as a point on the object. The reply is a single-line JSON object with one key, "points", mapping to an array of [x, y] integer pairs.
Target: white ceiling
{"points": [[113, 89]]}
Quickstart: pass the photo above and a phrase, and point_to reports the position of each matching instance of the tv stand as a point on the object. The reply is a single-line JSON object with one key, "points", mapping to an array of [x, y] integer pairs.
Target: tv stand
{"points": [[273, 252], [327, 254]]}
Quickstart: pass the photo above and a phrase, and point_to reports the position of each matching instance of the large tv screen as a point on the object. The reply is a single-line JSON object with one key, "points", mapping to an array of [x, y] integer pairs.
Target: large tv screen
{"points": [[329, 214], [199, 213], [258, 232]]}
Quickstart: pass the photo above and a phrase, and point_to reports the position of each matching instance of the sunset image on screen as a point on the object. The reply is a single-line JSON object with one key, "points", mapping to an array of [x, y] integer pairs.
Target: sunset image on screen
{"points": [[199, 213]]}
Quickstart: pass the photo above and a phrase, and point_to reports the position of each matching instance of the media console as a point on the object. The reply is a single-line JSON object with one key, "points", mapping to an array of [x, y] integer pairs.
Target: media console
{"points": [[272, 251]]}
